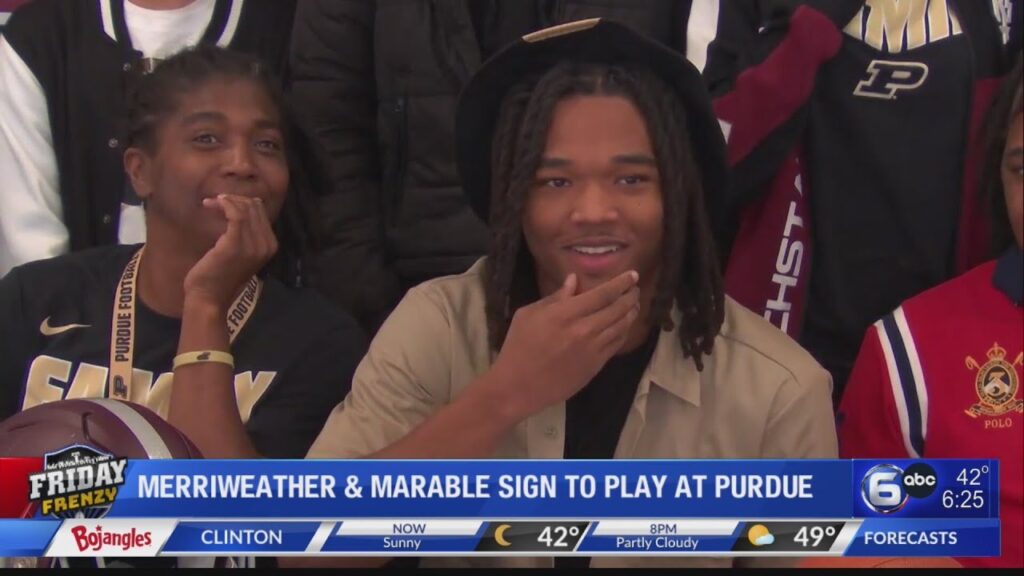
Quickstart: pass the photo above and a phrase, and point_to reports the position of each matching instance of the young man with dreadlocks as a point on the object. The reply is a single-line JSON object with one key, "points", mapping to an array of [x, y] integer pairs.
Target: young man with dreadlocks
{"points": [[596, 327]]}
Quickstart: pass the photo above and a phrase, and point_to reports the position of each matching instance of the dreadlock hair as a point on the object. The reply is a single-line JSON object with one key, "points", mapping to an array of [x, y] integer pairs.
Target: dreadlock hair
{"points": [[153, 95], [1006, 107], [689, 276]]}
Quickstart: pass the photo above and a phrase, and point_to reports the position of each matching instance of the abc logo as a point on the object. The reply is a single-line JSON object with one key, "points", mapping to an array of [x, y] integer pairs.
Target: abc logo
{"points": [[886, 488]]}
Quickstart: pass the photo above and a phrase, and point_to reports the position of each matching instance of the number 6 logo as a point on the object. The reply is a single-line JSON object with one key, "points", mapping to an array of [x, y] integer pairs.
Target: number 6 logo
{"points": [[882, 489]]}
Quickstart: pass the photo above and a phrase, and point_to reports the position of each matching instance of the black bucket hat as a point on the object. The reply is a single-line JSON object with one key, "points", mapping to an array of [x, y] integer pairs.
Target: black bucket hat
{"points": [[594, 41]]}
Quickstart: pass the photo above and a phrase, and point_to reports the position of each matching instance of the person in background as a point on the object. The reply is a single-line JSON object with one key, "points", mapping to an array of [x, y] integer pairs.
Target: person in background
{"points": [[6, 7], [375, 86], [206, 149], [65, 69], [850, 126], [940, 377]]}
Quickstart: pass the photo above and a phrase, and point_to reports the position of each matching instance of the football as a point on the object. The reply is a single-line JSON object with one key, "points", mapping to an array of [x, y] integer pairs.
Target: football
{"points": [[122, 429]]}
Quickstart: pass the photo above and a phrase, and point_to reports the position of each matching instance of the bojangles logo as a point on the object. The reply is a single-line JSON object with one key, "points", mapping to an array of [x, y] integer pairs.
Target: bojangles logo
{"points": [[99, 538], [996, 383]]}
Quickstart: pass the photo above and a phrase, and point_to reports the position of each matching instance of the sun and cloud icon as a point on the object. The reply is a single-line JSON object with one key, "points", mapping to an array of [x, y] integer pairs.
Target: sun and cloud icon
{"points": [[760, 536]]}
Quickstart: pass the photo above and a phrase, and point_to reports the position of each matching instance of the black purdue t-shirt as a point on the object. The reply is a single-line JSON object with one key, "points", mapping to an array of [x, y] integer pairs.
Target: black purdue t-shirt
{"points": [[294, 359], [886, 144]]}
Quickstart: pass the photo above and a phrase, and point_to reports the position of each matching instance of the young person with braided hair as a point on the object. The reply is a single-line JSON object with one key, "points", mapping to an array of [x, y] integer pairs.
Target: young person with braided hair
{"points": [[189, 324], [65, 72], [596, 327]]}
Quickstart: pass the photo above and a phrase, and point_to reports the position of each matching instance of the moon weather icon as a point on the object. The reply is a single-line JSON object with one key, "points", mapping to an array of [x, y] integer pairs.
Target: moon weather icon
{"points": [[499, 535]]}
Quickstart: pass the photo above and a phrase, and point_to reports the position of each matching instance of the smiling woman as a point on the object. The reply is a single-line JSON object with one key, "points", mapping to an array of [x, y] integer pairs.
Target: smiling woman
{"points": [[65, 70], [193, 160], [186, 323]]}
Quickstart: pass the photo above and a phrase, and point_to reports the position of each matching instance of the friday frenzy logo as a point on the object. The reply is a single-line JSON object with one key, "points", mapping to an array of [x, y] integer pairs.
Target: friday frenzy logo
{"points": [[77, 482]]}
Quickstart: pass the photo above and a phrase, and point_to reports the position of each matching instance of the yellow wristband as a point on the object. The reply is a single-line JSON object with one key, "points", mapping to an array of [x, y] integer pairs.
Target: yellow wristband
{"points": [[202, 356]]}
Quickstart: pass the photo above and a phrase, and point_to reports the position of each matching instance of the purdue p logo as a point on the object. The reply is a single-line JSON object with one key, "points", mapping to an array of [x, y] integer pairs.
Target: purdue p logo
{"points": [[887, 78]]}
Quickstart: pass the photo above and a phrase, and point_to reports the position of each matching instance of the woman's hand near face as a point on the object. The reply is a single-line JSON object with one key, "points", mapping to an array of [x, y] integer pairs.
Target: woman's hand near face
{"points": [[203, 403], [242, 250]]}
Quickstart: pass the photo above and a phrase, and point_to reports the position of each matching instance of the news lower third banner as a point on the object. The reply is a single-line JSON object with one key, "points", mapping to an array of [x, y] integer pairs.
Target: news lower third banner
{"points": [[79, 502]]}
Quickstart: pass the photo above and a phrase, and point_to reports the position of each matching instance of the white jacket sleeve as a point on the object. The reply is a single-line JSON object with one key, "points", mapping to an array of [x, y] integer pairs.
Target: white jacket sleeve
{"points": [[31, 215]]}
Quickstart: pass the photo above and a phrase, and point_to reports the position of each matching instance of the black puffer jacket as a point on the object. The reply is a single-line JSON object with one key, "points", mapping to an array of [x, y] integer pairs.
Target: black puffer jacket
{"points": [[375, 83]]}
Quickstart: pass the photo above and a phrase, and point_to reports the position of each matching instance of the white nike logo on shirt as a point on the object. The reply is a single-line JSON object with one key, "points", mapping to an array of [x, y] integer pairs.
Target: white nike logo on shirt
{"points": [[48, 330]]}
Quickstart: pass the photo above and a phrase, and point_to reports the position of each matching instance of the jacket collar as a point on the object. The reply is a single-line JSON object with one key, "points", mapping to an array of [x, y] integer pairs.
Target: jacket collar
{"points": [[221, 30], [1008, 277], [670, 370]]}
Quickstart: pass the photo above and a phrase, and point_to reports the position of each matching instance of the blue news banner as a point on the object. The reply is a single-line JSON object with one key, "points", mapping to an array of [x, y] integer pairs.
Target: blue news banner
{"points": [[114, 507]]}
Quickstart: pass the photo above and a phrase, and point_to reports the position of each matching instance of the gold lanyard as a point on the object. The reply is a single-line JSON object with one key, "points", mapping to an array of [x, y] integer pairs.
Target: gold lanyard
{"points": [[122, 329]]}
